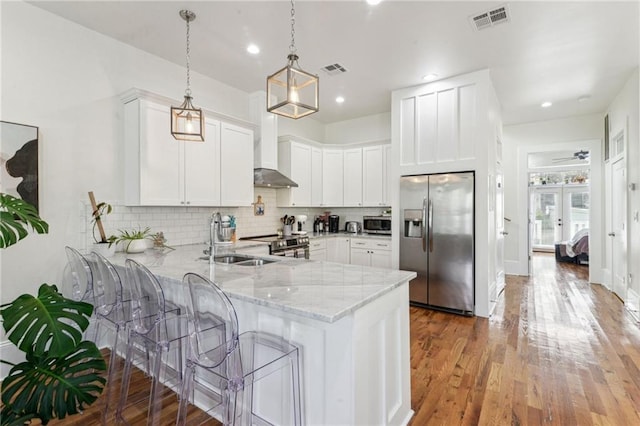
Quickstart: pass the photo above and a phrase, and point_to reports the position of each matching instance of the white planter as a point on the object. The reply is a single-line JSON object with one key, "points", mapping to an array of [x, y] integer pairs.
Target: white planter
{"points": [[135, 246], [104, 249]]}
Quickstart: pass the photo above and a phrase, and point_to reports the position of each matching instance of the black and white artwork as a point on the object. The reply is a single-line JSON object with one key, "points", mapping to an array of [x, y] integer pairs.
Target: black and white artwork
{"points": [[19, 161]]}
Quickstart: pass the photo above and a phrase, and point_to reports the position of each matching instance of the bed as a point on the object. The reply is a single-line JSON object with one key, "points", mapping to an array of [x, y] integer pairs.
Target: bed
{"points": [[575, 250]]}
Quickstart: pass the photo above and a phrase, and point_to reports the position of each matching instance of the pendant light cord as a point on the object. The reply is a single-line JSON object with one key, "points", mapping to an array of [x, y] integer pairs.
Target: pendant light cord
{"points": [[292, 46], [188, 91]]}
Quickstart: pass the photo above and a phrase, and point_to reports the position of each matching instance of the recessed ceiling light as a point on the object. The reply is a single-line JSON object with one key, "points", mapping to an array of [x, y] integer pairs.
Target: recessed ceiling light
{"points": [[253, 49], [373, 2], [429, 77], [339, 99], [546, 104]]}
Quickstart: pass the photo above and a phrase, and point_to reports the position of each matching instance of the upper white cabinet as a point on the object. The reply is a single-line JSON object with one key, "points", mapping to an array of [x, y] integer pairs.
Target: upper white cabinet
{"points": [[332, 177], [353, 177], [295, 162], [236, 165], [375, 179], [162, 171], [316, 176], [438, 123]]}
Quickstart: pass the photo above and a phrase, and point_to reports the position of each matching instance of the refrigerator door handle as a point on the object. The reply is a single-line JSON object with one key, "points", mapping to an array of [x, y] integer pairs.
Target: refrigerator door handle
{"points": [[430, 225], [424, 220]]}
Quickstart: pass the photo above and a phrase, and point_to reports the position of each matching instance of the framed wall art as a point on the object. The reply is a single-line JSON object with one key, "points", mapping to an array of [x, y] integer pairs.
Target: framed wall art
{"points": [[19, 161]]}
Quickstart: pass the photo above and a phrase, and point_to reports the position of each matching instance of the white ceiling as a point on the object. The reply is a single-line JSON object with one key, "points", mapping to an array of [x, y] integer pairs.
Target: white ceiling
{"points": [[555, 51]]}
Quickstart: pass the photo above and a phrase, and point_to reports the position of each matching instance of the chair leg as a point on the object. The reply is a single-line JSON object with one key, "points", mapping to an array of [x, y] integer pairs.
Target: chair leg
{"points": [[155, 402], [126, 378], [185, 392], [111, 376], [295, 382]]}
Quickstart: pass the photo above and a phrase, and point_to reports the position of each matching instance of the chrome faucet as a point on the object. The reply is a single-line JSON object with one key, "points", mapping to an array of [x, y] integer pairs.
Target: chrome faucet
{"points": [[215, 236]]}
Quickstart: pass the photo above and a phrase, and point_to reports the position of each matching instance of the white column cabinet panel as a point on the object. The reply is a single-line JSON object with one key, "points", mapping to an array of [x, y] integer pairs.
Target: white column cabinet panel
{"points": [[236, 165], [353, 177], [332, 177], [294, 161]]}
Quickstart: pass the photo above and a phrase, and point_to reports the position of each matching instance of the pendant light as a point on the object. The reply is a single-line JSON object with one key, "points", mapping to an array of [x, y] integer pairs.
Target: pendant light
{"points": [[292, 92], [187, 121]]}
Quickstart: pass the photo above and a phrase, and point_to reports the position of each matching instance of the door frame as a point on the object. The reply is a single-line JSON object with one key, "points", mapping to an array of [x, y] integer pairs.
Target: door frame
{"points": [[596, 221]]}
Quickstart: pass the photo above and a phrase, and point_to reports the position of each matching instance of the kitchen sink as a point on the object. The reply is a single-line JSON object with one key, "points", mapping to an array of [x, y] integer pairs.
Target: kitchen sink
{"points": [[239, 259], [255, 262]]}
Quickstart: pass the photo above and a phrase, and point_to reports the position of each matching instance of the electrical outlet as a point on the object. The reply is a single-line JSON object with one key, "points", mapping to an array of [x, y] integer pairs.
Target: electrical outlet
{"points": [[635, 216]]}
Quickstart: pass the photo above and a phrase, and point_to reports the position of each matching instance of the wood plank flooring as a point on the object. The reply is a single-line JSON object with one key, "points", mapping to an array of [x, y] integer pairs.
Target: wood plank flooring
{"points": [[557, 351]]}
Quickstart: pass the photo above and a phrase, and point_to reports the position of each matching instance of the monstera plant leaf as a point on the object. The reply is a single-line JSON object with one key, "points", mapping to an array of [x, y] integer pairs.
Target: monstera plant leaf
{"points": [[15, 214], [48, 387], [50, 323]]}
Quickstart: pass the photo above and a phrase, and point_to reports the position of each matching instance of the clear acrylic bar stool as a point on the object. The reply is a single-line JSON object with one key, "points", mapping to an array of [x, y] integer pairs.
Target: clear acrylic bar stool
{"points": [[79, 286], [223, 367], [112, 308], [156, 331]]}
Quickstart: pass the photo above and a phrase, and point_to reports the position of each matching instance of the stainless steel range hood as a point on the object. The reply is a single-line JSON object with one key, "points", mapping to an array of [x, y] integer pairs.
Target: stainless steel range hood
{"points": [[269, 178], [265, 153]]}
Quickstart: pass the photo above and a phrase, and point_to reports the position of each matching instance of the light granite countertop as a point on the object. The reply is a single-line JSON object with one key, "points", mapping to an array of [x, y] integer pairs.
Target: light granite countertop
{"points": [[319, 290], [317, 235]]}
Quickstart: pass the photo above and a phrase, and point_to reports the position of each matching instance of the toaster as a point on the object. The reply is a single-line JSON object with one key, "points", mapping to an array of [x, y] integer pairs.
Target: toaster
{"points": [[353, 227]]}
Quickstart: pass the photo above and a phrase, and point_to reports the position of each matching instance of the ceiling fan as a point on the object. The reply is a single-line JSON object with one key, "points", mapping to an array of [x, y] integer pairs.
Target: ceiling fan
{"points": [[579, 155]]}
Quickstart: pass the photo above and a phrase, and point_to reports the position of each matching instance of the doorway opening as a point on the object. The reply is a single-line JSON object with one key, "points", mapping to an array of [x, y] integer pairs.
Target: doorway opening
{"points": [[559, 204]]}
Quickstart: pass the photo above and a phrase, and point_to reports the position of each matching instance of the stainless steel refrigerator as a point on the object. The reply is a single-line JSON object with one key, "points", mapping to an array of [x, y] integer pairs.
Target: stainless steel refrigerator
{"points": [[437, 240]]}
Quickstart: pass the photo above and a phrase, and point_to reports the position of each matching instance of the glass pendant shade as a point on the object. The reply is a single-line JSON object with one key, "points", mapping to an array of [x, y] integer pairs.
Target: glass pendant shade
{"points": [[187, 122], [292, 92]]}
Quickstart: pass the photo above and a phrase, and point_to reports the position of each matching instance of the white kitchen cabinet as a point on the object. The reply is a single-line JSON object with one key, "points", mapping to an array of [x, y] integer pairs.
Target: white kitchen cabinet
{"points": [[294, 161], [338, 249], [316, 176], [375, 175], [236, 165], [317, 249], [371, 252], [386, 183], [352, 177], [161, 171], [332, 177]]}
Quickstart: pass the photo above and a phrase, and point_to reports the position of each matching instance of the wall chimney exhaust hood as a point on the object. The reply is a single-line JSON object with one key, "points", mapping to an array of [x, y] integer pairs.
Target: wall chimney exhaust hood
{"points": [[265, 151], [269, 178]]}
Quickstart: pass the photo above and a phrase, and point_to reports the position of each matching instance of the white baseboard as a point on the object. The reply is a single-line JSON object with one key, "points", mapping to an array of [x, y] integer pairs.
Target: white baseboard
{"points": [[515, 267]]}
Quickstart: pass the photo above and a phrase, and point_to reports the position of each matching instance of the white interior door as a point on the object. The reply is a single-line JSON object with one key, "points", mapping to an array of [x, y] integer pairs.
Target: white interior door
{"points": [[500, 232], [618, 231]]}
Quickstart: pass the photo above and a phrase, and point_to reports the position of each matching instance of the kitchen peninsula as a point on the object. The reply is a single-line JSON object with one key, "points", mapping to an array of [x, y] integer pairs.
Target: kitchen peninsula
{"points": [[350, 322]]}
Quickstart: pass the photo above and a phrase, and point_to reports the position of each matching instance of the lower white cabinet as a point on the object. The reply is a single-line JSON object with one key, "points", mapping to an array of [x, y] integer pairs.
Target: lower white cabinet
{"points": [[371, 252], [318, 249], [338, 249]]}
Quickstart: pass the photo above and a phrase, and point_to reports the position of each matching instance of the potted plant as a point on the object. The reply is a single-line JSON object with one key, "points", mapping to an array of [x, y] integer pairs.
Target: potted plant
{"points": [[61, 373], [135, 240], [105, 246], [15, 215]]}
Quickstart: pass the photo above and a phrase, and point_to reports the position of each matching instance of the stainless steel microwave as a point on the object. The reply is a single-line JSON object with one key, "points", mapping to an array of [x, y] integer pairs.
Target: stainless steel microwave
{"points": [[377, 224]]}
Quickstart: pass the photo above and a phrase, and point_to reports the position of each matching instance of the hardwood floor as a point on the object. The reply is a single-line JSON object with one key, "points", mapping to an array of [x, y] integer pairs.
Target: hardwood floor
{"points": [[557, 351]]}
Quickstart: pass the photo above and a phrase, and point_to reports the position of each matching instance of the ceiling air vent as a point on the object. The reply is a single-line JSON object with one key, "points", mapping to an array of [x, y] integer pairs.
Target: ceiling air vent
{"points": [[334, 69], [490, 18]]}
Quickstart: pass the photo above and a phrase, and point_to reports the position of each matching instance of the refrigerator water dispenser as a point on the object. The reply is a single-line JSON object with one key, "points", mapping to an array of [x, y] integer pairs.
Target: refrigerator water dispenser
{"points": [[413, 223]]}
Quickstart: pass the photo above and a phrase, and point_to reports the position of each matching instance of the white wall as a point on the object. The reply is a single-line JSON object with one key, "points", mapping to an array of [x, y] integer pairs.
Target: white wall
{"points": [[540, 136], [371, 128], [66, 80], [307, 128]]}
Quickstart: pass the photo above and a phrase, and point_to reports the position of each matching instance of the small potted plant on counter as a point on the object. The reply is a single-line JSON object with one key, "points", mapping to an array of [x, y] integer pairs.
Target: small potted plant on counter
{"points": [[106, 245], [135, 240]]}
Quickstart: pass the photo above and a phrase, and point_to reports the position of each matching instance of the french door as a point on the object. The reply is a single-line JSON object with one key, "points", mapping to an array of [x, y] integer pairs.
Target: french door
{"points": [[557, 212]]}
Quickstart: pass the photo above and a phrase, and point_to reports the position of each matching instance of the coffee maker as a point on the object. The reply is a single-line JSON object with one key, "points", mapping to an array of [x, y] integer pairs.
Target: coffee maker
{"points": [[334, 223]]}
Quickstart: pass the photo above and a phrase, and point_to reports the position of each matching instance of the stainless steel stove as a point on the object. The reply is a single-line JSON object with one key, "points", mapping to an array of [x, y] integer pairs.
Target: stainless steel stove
{"points": [[290, 246]]}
